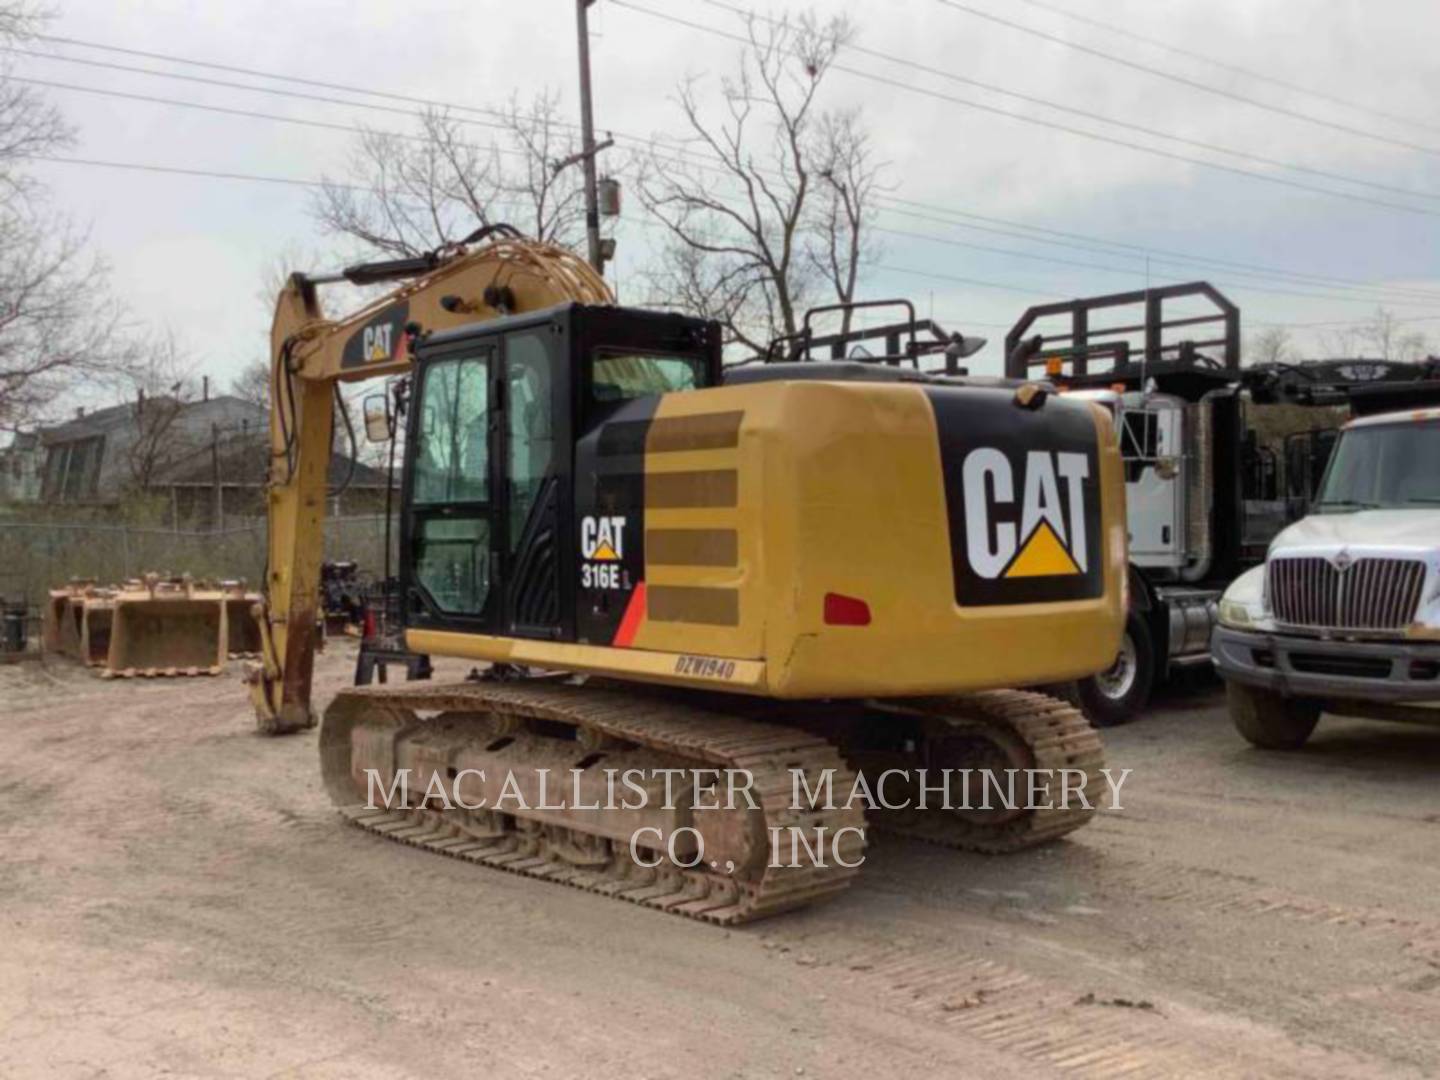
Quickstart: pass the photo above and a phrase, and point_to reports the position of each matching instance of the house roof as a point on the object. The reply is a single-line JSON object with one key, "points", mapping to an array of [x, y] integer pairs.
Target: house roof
{"points": [[111, 417], [244, 463], [92, 423]]}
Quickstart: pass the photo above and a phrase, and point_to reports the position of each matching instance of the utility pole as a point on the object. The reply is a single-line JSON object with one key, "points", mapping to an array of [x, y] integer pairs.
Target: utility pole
{"points": [[217, 521], [587, 140]]}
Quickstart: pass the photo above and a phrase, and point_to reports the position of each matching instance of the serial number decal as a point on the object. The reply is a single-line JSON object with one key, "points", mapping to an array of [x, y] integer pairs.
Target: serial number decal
{"points": [[707, 667]]}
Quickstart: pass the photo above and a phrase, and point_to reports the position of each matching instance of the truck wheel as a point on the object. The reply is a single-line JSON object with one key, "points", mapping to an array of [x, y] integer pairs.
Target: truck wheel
{"points": [[1117, 695], [1269, 720]]}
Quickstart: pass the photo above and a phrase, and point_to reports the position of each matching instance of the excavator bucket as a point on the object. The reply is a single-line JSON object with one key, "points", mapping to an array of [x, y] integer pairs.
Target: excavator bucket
{"points": [[242, 630], [96, 613], [167, 628], [61, 624]]}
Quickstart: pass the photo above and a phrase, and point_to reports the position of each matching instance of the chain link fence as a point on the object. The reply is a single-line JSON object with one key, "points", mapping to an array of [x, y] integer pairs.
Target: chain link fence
{"points": [[37, 556]]}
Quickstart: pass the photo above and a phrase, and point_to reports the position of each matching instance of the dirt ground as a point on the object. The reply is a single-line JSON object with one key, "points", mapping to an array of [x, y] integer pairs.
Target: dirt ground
{"points": [[177, 898]]}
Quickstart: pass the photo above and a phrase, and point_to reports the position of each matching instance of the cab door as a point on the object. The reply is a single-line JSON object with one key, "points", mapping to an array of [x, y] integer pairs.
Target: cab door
{"points": [[535, 479], [450, 533]]}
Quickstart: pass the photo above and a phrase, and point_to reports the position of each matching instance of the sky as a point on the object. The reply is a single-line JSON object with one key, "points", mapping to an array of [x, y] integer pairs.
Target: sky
{"points": [[191, 254]]}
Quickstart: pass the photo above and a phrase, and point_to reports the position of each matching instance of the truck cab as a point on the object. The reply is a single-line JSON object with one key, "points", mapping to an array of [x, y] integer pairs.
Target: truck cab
{"points": [[1165, 362], [1344, 614]]}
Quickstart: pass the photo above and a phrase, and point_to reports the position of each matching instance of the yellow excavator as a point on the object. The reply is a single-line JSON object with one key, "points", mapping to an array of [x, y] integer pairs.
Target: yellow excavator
{"points": [[801, 579]]}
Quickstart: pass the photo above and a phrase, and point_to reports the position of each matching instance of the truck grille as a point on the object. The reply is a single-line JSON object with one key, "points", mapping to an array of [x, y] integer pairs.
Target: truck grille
{"points": [[1373, 594]]}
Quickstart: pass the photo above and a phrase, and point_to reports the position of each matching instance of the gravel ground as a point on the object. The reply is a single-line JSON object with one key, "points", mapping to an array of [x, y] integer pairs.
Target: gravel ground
{"points": [[178, 899]]}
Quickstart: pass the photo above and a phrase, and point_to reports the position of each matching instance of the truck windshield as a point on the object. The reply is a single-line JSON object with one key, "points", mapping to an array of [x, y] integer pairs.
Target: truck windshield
{"points": [[1390, 466]]}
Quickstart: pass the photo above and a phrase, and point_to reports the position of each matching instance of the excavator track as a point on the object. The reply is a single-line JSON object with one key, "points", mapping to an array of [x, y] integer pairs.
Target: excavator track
{"points": [[1001, 729], [440, 731]]}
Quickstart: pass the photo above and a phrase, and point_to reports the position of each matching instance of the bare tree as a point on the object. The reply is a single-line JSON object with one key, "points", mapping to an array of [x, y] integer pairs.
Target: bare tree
{"points": [[1341, 343], [840, 240], [1386, 336], [28, 123], [253, 384], [163, 382], [1271, 346], [404, 194], [58, 323], [774, 205]]}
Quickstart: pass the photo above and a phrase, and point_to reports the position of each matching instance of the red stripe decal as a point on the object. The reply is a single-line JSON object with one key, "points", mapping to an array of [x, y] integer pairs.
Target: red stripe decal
{"points": [[633, 617]]}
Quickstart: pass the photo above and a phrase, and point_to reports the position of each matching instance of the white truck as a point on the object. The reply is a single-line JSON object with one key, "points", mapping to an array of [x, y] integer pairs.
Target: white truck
{"points": [[1344, 614]]}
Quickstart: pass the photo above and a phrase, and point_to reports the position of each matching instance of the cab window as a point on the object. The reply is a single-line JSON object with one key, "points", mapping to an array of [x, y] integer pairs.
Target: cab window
{"points": [[620, 375], [452, 460]]}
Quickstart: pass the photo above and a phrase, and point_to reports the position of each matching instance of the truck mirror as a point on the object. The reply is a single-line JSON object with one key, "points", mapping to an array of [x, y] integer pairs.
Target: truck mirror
{"points": [[1167, 468], [379, 424]]}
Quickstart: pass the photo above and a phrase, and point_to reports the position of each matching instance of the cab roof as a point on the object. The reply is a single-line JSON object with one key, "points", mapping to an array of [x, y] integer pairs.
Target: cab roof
{"points": [[1401, 417]]}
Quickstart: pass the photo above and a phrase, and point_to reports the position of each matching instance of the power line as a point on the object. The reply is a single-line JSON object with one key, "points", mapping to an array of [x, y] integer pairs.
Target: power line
{"points": [[712, 162], [1039, 122], [883, 229], [1193, 84], [180, 170], [1102, 246], [246, 113], [150, 167], [1344, 322], [492, 124], [1129, 271], [350, 129], [1236, 69], [204, 81], [299, 182], [1156, 133], [297, 79], [1390, 292], [276, 92]]}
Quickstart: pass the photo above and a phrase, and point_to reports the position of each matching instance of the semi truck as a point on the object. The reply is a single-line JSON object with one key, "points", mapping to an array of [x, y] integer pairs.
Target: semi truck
{"points": [[1219, 457]]}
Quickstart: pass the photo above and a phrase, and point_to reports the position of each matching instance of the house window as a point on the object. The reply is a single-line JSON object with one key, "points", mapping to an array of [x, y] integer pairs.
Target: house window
{"points": [[72, 470], [55, 461]]}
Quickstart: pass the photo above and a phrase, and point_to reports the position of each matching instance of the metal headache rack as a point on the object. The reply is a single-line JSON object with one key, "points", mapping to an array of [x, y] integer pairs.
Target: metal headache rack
{"points": [[1145, 351], [1088, 356], [904, 342]]}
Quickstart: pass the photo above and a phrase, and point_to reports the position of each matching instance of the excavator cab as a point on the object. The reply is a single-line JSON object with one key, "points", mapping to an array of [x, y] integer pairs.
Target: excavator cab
{"points": [[503, 416]]}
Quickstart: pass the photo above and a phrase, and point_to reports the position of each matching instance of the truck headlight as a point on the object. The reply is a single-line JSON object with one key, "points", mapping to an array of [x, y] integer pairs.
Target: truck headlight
{"points": [[1243, 605], [1235, 614]]}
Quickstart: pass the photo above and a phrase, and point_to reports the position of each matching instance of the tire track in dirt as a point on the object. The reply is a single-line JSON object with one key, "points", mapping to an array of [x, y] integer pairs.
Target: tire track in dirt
{"points": [[1220, 893], [1044, 1022]]}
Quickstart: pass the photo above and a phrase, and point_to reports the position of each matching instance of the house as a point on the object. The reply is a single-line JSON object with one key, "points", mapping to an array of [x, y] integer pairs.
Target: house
{"points": [[20, 469], [100, 455], [208, 458]]}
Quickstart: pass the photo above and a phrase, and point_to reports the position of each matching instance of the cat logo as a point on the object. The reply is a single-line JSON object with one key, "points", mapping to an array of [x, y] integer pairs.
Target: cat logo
{"points": [[602, 544], [1049, 539], [379, 341], [376, 344], [602, 539]]}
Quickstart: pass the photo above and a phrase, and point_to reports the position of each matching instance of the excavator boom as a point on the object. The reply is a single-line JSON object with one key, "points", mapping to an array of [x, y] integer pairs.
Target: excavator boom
{"points": [[311, 355]]}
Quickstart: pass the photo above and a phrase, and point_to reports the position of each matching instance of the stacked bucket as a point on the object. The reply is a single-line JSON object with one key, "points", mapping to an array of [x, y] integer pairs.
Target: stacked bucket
{"points": [[152, 627]]}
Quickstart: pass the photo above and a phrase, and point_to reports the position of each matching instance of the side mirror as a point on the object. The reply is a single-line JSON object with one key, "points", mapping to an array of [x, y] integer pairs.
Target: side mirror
{"points": [[962, 347], [379, 422]]}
